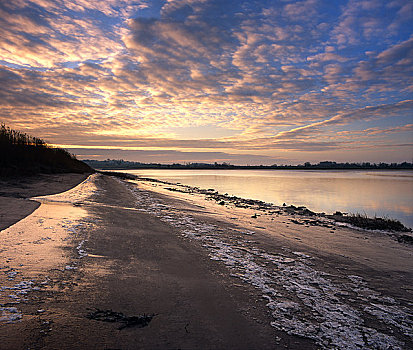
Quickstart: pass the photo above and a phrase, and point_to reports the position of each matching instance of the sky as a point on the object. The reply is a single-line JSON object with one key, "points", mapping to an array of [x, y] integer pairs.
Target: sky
{"points": [[243, 82]]}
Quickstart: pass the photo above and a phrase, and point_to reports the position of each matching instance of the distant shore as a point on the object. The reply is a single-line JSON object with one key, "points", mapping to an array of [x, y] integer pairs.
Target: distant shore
{"points": [[113, 164]]}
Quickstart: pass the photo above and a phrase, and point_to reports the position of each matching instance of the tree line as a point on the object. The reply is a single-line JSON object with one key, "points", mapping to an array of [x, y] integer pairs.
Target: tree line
{"points": [[22, 154], [325, 165]]}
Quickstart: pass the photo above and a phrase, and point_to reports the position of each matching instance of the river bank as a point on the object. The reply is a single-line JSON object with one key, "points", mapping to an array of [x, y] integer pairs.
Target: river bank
{"points": [[209, 275], [385, 194]]}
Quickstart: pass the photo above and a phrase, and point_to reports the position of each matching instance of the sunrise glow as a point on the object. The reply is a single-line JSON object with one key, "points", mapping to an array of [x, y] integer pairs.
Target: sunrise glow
{"points": [[244, 82]]}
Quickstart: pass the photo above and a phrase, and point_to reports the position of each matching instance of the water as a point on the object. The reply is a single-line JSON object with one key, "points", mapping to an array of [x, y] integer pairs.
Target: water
{"points": [[381, 193]]}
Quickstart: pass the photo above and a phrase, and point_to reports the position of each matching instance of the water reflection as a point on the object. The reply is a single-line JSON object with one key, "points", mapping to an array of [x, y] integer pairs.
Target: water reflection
{"points": [[381, 193]]}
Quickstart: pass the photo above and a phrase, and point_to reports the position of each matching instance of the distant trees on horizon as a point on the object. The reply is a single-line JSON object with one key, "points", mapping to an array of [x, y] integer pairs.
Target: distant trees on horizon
{"points": [[324, 165]]}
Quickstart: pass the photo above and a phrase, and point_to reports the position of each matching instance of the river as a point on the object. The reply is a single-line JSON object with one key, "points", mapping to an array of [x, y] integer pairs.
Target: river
{"points": [[380, 193]]}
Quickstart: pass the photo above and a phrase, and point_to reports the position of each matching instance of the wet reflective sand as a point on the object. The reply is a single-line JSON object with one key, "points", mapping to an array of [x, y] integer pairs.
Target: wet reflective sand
{"points": [[41, 242]]}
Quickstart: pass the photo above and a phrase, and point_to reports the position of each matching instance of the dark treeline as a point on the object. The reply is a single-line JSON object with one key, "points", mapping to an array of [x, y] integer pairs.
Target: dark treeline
{"points": [[124, 164], [22, 154]]}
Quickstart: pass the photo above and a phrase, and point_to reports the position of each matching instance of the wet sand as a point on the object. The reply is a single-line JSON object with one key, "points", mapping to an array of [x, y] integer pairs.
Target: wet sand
{"points": [[212, 276], [15, 193]]}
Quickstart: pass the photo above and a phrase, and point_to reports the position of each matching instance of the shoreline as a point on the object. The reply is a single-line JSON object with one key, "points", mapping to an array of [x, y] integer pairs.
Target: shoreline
{"points": [[213, 276], [254, 213], [389, 226]]}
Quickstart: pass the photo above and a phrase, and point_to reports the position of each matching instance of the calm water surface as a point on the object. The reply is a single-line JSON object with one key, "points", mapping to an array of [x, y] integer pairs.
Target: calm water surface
{"points": [[381, 193]]}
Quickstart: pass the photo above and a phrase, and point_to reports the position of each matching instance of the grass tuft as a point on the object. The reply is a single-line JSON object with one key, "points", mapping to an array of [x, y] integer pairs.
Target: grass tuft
{"points": [[375, 223]]}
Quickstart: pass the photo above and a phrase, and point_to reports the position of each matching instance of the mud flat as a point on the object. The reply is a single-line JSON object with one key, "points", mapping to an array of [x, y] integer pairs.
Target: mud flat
{"points": [[133, 264]]}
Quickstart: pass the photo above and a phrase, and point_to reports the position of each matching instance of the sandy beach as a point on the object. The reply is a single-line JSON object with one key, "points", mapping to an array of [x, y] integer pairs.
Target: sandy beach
{"points": [[127, 264]]}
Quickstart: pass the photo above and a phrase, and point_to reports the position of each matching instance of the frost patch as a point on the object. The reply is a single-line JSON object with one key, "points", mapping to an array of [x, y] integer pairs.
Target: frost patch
{"points": [[22, 288], [10, 314], [80, 250], [303, 301], [11, 274]]}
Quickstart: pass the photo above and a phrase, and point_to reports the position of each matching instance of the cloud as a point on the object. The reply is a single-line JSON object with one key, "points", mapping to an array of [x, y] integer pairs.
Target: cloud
{"points": [[47, 33], [400, 54], [387, 131], [301, 10], [360, 21], [283, 76], [328, 56], [346, 118]]}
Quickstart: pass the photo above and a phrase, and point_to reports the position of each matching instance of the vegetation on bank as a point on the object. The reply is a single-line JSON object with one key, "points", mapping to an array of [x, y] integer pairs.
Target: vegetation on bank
{"points": [[114, 164], [365, 222], [22, 154]]}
